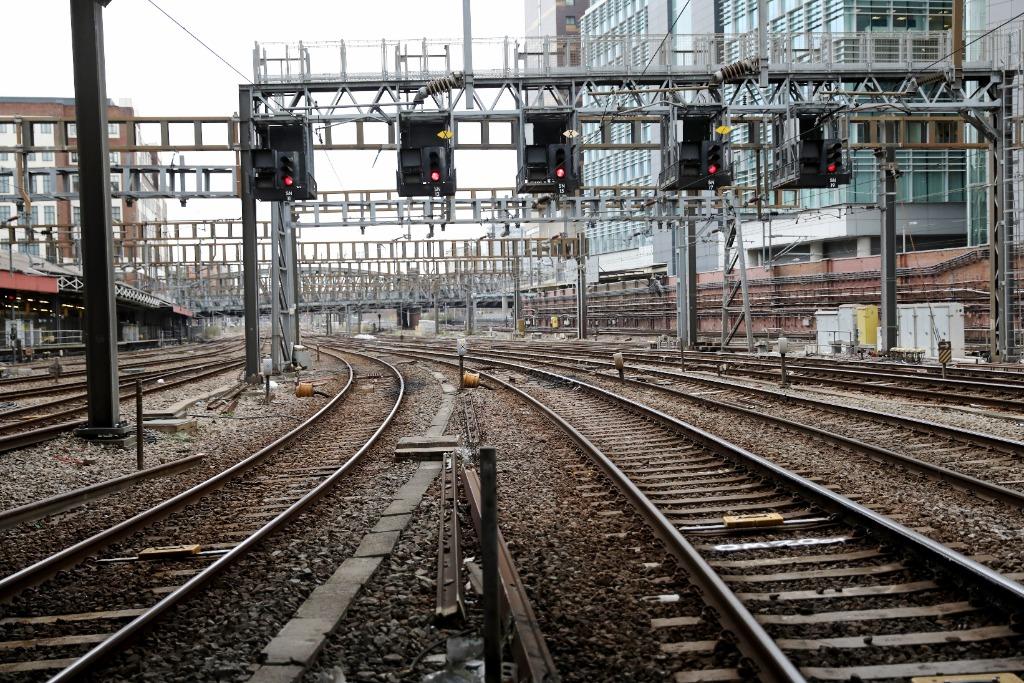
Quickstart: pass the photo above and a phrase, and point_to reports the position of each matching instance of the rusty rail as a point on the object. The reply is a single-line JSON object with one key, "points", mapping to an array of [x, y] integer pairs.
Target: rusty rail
{"points": [[533, 660], [449, 552]]}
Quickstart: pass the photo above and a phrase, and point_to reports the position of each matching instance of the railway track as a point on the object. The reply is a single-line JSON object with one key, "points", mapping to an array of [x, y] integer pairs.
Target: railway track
{"points": [[1002, 391], [127, 379], [985, 465], [23, 426], [807, 584], [132, 360], [166, 554]]}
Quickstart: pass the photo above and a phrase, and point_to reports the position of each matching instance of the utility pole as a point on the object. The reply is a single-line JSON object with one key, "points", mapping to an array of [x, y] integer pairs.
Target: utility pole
{"points": [[250, 257], [104, 420], [887, 202]]}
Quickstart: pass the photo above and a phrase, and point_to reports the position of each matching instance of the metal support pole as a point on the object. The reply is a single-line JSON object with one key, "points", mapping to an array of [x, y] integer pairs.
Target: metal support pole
{"points": [[97, 237], [1001, 285], [741, 252], [581, 288], [762, 40], [467, 51], [437, 321], [293, 269], [687, 284], [887, 312], [489, 558], [138, 425], [276, 358], [250, 257], [516, 312]]}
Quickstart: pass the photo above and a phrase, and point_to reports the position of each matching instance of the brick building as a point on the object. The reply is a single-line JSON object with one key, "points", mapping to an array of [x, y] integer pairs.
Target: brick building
{"points": [[56, 171]]}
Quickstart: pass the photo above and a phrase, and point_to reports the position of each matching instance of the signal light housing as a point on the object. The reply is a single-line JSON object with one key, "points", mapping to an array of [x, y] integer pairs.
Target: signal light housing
{"points": [[547, 155], [283, 162], [425, 156]]}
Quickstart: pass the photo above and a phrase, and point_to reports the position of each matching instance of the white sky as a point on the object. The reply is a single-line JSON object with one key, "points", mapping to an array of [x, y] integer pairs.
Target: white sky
{"points": [[167, 73]]}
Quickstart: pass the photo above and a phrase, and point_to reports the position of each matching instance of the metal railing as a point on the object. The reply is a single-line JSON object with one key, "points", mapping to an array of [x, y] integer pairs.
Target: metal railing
{"points": [[363, 60]]}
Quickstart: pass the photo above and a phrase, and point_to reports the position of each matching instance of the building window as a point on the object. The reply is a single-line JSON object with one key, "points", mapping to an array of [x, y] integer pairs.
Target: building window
{"points": [[50, 215], [5, 213], [570, 20], [4, 156], [47, 156], [76, 215], [112, 130], [115, 158], [570, 3], [72, 130], [74, 157], [115, 213], [46, 128], [115, 183], [35, 215], [5, 184], [6, 127], [31, 156]]}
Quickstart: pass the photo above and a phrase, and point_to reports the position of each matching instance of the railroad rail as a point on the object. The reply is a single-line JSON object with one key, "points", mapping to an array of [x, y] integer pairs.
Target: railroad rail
{"points": [[133, 360], [795, 572], [887, 379], [964, 458], [282, 479], [38, 428]]}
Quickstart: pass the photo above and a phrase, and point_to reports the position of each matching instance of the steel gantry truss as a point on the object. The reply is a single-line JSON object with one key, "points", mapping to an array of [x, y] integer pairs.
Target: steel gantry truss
{"points": [[951, 82], [751, 76]]}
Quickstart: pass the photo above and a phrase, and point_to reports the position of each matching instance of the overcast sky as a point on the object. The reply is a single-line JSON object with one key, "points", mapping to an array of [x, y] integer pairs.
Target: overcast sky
{"points": [[165, 72]]}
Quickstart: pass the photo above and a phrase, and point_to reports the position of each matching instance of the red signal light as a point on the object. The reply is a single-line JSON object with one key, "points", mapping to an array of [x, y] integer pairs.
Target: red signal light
{"points": [[832, 168], [559, 172], [435, 175], [713, 169], [288, 181]]}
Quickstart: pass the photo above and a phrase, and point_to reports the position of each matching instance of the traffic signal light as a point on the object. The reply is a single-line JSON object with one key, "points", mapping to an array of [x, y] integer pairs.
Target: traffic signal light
{"points": [[556, 161], [435, 166], [561, 169], [715, 164], [833, 156], [285, 171], [713, 158]]}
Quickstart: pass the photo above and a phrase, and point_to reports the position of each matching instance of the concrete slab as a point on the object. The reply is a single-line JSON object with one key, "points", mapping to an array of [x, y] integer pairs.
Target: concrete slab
{"points": [[377, 544], [426, 447], [403, 506], [276, 673], [391, 523], [355, 570], [172, 425], [298, 642], [328, 602], [178, 409]]}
